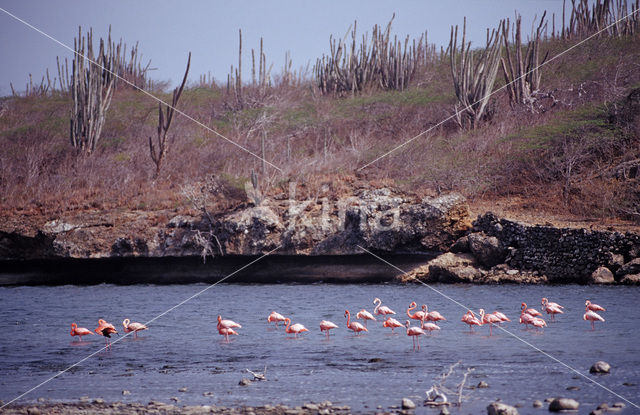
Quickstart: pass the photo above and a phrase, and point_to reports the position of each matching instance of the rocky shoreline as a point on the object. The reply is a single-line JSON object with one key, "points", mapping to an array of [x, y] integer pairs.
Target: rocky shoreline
{"points": [[487, 250]]}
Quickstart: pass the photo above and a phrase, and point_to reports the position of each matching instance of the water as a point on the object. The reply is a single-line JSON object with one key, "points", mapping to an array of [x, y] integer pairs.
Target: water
{"points": [[183, 349]]}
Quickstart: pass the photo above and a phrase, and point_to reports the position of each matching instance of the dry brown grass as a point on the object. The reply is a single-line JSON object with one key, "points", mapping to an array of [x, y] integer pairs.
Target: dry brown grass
{"points": [[558, 158]]}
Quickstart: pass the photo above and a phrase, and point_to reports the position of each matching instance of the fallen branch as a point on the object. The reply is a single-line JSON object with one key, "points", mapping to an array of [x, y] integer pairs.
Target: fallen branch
{"points": [[258, 375]]}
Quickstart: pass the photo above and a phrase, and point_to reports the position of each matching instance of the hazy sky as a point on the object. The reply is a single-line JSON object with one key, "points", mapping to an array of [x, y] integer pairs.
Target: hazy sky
{"points": [[168, 30]]}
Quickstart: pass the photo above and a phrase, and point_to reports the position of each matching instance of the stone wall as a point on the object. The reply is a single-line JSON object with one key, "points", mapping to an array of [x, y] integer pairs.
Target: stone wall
{"points": [[562, 254]]}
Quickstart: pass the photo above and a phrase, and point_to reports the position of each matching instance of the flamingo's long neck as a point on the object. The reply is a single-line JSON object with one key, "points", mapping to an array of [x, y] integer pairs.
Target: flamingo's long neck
{"points": [[411, 307], [348, 319], [377, 301], [287, 321]]}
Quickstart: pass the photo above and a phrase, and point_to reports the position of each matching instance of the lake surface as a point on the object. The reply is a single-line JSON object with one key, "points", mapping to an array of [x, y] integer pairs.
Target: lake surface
{"points": [[183, 348]]}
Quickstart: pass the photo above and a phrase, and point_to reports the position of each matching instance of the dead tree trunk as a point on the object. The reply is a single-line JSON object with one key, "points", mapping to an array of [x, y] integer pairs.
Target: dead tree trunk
{"points": [[164, 122]]}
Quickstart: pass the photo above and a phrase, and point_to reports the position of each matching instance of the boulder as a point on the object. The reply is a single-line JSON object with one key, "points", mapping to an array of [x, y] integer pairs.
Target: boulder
{"points": [[452, 267], [563, 404], [498, 408], [600, 367], [602, 275], [487, 249], [631, 279], [460, 246], [631, 267], [408, 404]]}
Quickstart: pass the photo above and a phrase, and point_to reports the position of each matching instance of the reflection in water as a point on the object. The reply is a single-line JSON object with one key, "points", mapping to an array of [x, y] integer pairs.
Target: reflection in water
{"points": [[183, 348]]}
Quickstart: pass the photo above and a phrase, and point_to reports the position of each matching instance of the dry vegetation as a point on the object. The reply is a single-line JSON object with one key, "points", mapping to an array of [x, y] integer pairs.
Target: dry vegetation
{"points": [[573, 149]]}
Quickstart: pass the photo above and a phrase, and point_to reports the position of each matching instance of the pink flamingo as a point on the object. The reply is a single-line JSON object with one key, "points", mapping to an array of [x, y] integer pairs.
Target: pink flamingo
{"points": [[79, 331], [133, 327], [470, 318], [593, 317], [326, 326], [275, 317], [545, 302], [381, 310], [526, 318], [418, 315], [538, 323], [432, 315], [295, 329], [106, 330], [501, 316], [414, 332], [227, 324], [393, 323], [365, 315], [531, 311], [355, 326], [428, 326], [226, 332], [593, 307], [489, 319]]}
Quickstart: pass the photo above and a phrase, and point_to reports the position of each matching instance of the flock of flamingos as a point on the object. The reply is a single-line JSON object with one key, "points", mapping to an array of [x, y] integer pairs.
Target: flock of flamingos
{"points": [[428, 321]]}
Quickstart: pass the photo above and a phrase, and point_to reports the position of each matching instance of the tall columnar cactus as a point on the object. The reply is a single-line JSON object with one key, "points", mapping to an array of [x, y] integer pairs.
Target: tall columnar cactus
{"points": [[474, 75], [92, 86], [521, 72], [377, 62], [164, 122]]}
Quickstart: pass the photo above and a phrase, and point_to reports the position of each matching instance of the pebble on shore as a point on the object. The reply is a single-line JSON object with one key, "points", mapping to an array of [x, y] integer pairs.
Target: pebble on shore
{"points": [[600, 367], [563, 404]]}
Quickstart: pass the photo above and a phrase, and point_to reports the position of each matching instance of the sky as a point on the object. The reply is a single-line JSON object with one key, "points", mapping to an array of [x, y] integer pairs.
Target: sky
{"points": [[168, 30]]}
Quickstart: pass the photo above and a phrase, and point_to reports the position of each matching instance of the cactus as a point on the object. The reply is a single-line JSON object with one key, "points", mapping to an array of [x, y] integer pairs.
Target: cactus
{"points": [[473, 83], [91, 89], [523, 78], [164, 122], [382, 63]]}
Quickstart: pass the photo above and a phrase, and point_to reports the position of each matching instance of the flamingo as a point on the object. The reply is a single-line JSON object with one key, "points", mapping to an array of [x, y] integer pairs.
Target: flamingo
{"points": [[428, 326], [275, 317], [418, 315], [538, 323], [414, 332], [295, 329], [79, 331], [393, 323], [133, 327], [326, 326], [593, 307], [545, 302], [526, 318], [365, 315], [227, 324], [381, 310], [470, 318], [432, 315], [501, 316], [593, 317], [531, 311], [226, 332], [355, 326], [489, 319], [106, 330]]}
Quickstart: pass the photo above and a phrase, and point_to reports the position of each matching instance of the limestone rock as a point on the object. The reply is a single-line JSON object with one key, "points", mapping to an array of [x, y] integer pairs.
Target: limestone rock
{"points": [[631, 279], [498, 408], [487, 249], [600, 367], [451, 267], [408, 404], [602, 275], [563, 404], [631, 267]]}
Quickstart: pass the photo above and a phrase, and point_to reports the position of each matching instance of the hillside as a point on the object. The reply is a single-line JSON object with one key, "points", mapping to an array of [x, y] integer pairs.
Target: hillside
{"points": [[570, 157]]}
